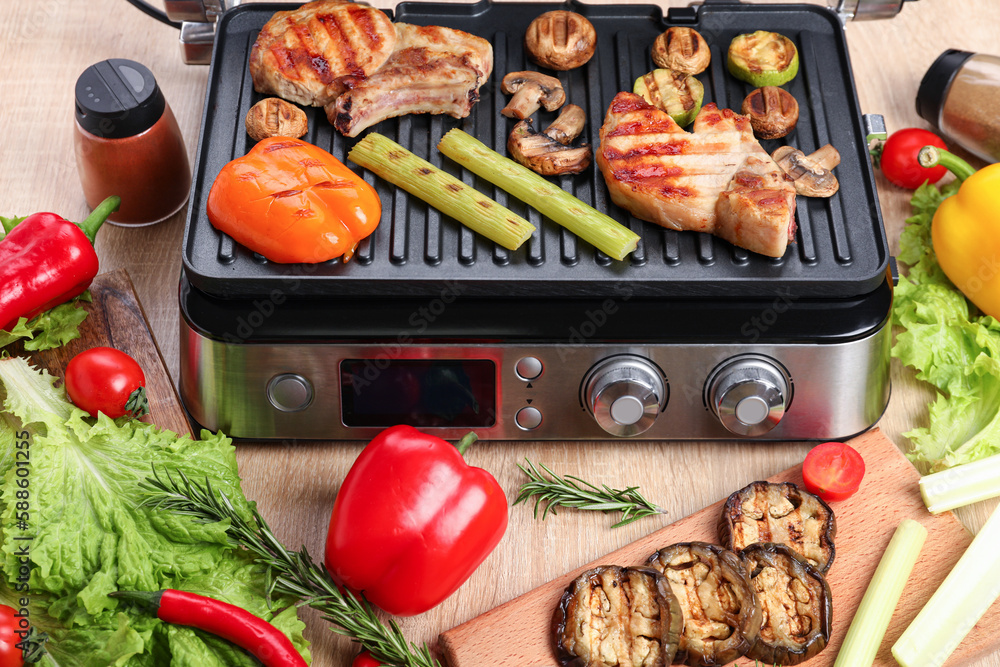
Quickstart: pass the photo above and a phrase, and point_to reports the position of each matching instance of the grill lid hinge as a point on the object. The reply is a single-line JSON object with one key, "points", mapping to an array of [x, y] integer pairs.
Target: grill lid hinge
{"points": [[197, 19], [866, 10]]}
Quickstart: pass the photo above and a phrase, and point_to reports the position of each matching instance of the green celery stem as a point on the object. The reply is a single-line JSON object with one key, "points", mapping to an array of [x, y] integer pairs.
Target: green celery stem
{"points": [[148, 599], [99, 215], [466, 442], [932, 156]]}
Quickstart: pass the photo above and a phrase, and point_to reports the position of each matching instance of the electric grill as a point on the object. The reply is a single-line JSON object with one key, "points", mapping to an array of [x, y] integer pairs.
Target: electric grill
{"points": [[432, 325]]}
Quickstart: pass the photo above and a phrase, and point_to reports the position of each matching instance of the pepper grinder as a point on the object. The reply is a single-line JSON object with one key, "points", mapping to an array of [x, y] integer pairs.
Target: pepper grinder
{"points": [[960, 96], [128, 143]]}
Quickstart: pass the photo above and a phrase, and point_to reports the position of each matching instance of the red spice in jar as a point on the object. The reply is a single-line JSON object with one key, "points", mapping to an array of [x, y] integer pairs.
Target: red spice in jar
{"points": [[128, 143]]}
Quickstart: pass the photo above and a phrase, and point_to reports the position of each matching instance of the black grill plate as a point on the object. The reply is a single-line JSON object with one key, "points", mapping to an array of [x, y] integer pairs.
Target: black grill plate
{"points": [[840, 249]]}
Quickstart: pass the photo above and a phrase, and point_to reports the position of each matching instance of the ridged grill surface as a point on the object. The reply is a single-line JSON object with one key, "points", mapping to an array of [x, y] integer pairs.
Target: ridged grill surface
{"points": [[840, 247]]}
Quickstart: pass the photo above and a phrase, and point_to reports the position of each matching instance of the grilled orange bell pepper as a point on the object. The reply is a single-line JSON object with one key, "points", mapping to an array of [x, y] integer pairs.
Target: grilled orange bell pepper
{"points": [[293, 202], [965, 230]]}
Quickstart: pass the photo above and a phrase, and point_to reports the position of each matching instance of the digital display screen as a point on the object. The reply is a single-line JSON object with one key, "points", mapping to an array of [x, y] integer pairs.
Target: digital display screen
{"points": [[418, 392]]}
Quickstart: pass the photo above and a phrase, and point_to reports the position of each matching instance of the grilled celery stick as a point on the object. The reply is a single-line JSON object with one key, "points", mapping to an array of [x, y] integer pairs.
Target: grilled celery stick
{"points": [[420, 178], [957, 605], [961, 485], [867, 630], [600, 230]]}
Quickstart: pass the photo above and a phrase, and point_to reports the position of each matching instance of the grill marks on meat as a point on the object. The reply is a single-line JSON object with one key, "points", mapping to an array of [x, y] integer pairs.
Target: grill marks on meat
{"points": [[715, 179], [781, 513], [432, 70], [617, 617], [352, 60], [301, 55]]}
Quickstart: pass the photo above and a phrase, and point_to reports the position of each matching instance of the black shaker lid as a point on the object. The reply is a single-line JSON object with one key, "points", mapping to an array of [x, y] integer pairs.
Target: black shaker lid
{"points": [[934, 85], [118, 98]]}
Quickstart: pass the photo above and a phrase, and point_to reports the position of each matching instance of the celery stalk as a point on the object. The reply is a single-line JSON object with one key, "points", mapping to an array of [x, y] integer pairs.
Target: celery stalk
{"points": [[872, 618], [961, 485], [598, 229], [957, 605], [420, 178]]}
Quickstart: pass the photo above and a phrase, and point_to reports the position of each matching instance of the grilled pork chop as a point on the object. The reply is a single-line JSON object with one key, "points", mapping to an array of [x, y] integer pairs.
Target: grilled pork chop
{"points": [[352, 60], [715, 179], [432, 70], [301, 55]]}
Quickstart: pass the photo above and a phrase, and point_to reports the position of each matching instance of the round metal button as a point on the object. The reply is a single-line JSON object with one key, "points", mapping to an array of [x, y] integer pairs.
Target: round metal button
{"points": [[528, 418], [289, 392], [528, 368], [627, 410], [752, 410]]}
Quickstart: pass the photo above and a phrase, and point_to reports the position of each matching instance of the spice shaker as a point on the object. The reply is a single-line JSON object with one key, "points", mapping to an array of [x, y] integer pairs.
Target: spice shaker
{"points": [[960, 95], [128, 143]]}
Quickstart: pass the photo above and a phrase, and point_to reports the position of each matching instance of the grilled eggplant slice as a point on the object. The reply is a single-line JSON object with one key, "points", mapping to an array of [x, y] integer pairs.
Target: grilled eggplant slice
{"points": [[795, 601], [782, 513], [721, 613], [617, 617]]}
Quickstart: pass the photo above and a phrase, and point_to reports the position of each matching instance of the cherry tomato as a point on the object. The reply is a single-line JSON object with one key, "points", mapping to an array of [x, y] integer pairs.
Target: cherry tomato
{"points": [[103, 379], [10, 655], [899, 158], [833, 471], [365, 659]]}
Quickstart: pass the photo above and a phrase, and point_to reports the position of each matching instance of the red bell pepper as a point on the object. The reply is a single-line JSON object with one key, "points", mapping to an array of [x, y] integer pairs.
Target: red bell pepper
{"points": [[46, 260], [412, 521]]}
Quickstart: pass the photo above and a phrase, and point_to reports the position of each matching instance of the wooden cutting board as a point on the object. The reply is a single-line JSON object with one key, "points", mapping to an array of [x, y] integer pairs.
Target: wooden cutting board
{"points": [[115, 319], [517, 633]]}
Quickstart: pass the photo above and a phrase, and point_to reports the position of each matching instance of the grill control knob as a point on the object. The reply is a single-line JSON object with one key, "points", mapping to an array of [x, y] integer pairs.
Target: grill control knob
{"points": [[624, 394], [749, 395]]}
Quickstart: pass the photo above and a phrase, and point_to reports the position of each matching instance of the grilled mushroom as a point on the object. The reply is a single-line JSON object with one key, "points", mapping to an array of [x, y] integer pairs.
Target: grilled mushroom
{"points": [[773, 112], [274, 117], [613, 616], [682, 50], [811, 173], [782, 513], [560, 40], [546, 153], [721, 613], [568, 125], [795, 601], [531, 91]]}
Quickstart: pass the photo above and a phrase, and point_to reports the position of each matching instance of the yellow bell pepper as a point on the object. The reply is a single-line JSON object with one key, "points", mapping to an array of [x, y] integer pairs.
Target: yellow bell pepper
{"points": [[966, 230]]}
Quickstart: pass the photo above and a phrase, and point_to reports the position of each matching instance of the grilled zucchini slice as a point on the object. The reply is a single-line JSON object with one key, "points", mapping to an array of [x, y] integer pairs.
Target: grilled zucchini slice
{"points": [[763, 58], [677, 93]]}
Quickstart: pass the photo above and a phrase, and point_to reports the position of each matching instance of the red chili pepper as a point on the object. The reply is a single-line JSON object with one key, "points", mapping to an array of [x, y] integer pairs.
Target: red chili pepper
{"points": [[412, 521], [365, 659], [46, 260], [264, 641]]}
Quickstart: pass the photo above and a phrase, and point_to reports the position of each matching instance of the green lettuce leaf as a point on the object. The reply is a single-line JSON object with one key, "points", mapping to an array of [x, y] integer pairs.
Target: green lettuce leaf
{"points": [[53, 328], [7, 224], [87, 533], [950, 344]]}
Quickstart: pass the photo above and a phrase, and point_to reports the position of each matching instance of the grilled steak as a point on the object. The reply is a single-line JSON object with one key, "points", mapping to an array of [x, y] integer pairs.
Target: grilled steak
{"points": [[301, 55], [715, 179], [432, 70]]}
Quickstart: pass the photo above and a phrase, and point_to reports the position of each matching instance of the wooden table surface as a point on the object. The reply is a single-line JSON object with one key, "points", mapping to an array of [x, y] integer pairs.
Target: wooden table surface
{"points": [[46, 44]]}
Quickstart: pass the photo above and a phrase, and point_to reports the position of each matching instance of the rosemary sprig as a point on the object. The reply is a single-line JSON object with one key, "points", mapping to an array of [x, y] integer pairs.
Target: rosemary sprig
{"points": [[570, 491], [291, 573]]}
